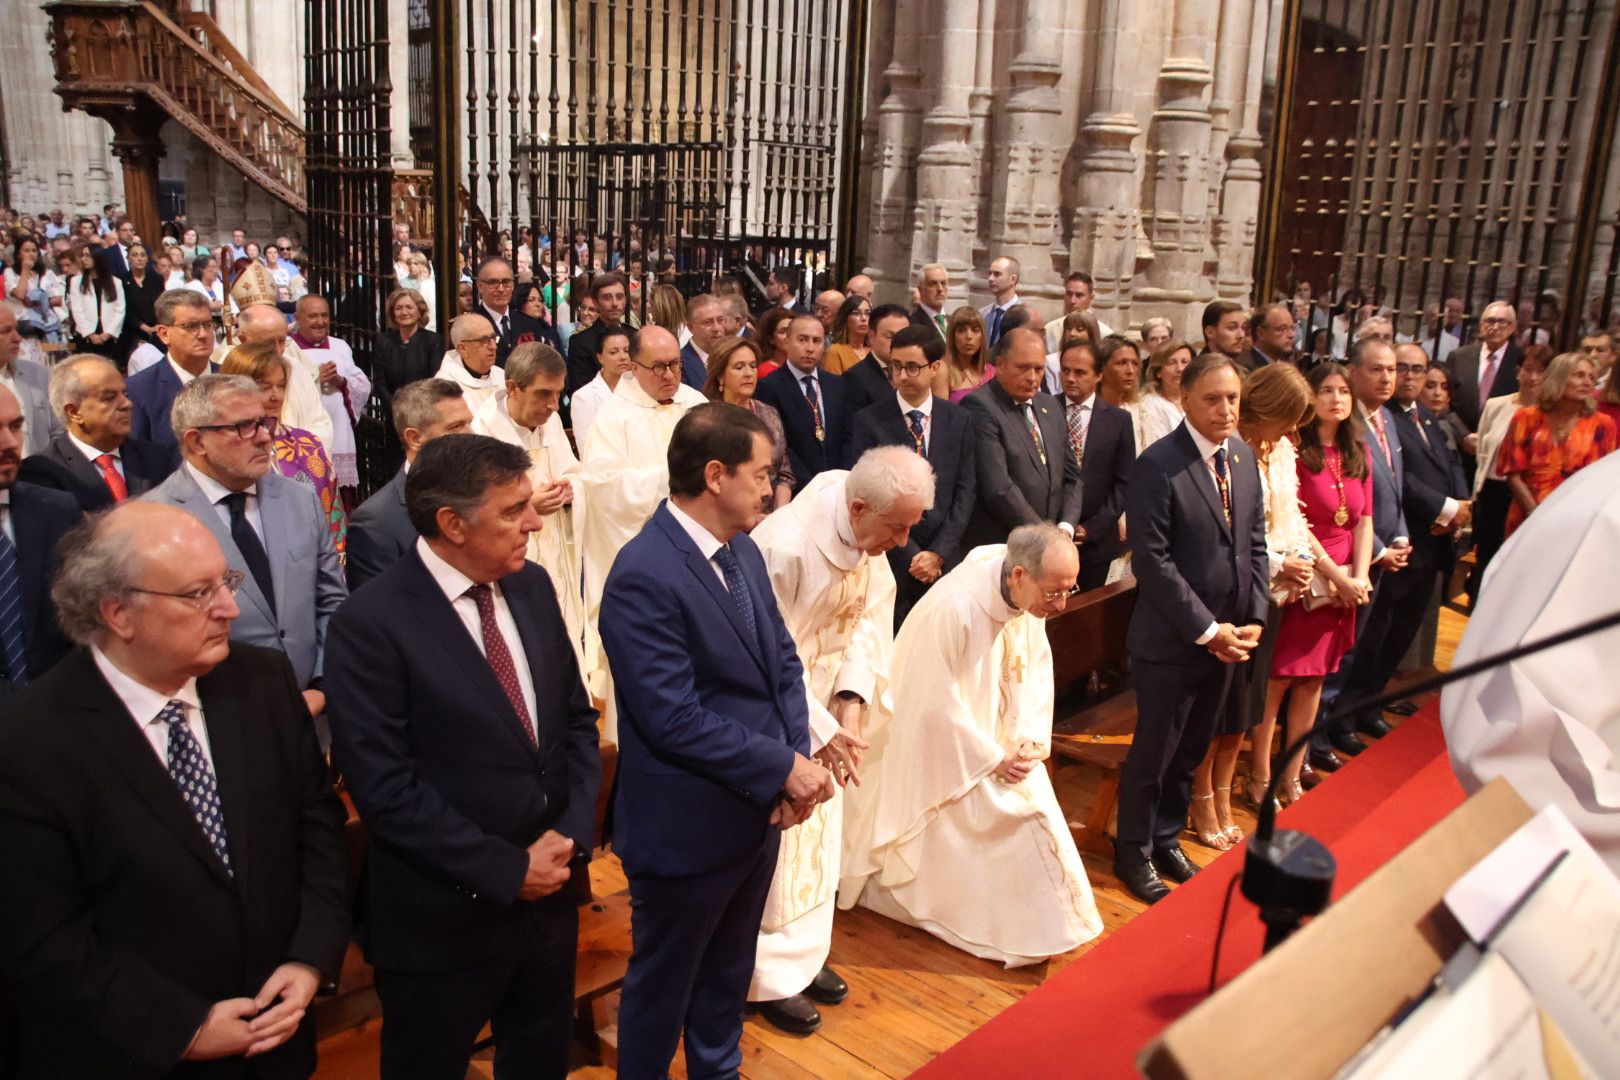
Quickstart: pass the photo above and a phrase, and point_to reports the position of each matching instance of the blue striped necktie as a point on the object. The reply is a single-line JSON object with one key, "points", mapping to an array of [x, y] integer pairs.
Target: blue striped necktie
{"points": [[11, 613]]}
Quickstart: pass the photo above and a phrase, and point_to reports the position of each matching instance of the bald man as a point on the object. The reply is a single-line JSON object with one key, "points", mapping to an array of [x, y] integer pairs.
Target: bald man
{"points": [[303, 409]]}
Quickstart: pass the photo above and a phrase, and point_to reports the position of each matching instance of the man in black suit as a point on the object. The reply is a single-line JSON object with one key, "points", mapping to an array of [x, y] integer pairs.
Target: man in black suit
{"points": [[496, 282], [707, 319], [870, 379], [811, 403], [1488, 367], [610, 293], [1274, 333], [184, 893], [1103, 442], [782, 288], [93, 459], [469, 745], [1026, 473], [32, 520], [933, 291], [1198, 549], [380, 529], [943, 433]]}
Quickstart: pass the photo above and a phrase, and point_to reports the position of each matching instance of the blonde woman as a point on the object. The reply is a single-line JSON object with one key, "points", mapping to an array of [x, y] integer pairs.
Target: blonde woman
{"points": [[1161, 404]]}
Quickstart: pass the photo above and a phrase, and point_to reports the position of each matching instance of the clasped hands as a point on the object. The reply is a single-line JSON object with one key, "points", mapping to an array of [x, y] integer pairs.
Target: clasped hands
{"points": [[259, 1024], [808, 784], [553, 496], [1233, 644], [1018, 763]]}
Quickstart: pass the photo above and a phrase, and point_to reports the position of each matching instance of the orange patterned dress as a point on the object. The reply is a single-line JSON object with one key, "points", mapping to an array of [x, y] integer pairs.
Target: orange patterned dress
{"points": [[299, 456], [1530, 451]]}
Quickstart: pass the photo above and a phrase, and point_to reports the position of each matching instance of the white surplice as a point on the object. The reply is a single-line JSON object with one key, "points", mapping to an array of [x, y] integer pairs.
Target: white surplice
{"points": [[344, 407], [932, 838], [838, 604], [1550, 722], [623, 475], [301, 407], [474, 389], [551, 458]]}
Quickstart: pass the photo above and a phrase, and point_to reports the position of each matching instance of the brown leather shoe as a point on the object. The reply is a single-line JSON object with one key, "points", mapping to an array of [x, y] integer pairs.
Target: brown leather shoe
{"points": [[1309, 777]]}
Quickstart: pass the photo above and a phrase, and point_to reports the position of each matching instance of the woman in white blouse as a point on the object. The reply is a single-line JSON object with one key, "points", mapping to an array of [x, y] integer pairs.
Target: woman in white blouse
{"points": [[1491, 496], [613, 356], [95, 306], [1276, 401], [1161, 404]]}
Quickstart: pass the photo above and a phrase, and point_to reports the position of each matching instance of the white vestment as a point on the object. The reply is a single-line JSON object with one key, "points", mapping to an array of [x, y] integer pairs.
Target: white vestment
{"points": [[474, 389], [932, 838], [302, 407], [550, 458], [623, 475], [838, 604], [345, 407], [1550, 722]]}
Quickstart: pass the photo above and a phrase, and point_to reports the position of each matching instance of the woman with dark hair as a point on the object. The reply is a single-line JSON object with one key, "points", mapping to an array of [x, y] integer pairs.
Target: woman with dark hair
{"points": [[851, 333], [96, 306], [771, 335], [30, 282], [205, 280], [967, 363], [1335, 486], [145, 286], [733, 375]]}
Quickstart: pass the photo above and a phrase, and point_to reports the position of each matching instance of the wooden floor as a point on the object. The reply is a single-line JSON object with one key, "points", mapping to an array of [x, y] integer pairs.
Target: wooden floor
{"points": [[911, 996]]}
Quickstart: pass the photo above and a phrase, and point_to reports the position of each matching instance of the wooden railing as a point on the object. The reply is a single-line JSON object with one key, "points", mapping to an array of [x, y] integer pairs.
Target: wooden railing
{"points": [[108, 56], [413, 206]]}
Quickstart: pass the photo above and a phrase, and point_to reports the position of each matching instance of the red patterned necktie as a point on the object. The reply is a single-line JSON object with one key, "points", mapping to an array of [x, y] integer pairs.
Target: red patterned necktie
{"points": [[115, 479], [1383, 440], [500, 657]]}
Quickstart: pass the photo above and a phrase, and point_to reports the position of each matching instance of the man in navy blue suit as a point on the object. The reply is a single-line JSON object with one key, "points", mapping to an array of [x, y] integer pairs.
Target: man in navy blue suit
{"points": [[1103, 443], [943, 433], [811, 403], [1198, 549], [714, 743], [469, 745], [706, 318], [185, 325]]}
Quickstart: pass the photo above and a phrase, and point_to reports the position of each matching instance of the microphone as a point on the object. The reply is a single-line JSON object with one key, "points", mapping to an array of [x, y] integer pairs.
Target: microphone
{"points": [[1289, 874]]}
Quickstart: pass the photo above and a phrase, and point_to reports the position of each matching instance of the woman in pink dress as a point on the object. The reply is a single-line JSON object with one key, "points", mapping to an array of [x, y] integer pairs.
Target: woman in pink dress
{"points": [[967, 363], [1335, 489]]}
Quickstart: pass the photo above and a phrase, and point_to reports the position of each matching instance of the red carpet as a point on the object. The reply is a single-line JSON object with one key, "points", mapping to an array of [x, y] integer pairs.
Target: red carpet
{"points": [[1092, 1018]]}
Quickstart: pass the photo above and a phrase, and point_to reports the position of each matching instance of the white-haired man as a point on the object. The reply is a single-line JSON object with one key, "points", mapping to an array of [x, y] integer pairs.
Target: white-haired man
{"points": [[955, 827], [471, 362], [836, 594]]}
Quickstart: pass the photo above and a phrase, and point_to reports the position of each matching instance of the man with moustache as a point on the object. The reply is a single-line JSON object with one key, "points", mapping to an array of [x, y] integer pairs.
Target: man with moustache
{"points": [[94, 459]]}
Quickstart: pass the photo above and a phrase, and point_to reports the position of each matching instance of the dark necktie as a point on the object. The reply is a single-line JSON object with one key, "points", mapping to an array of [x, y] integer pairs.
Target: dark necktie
{"points": [[916, 418], [1223, 482], [506, 325], [737, 585], [500, 657], [247, 542], [11, 613], [195, 779], [995, 325], [815, 406]]}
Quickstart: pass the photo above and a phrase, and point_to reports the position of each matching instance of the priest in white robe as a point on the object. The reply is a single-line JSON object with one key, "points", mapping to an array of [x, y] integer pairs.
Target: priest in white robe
{"points": [[471, 363], [824, 551], [1550, 722], [955, 828], [624, 474], [343, 386], [524, 413], [260, 320]]}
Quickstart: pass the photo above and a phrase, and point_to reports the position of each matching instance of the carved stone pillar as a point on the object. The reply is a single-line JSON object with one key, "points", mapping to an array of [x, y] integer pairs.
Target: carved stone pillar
{"points": [[892, 186], [947, 218], [1178, 281], [1025, 196], [1240, 194], [1107, 234]]}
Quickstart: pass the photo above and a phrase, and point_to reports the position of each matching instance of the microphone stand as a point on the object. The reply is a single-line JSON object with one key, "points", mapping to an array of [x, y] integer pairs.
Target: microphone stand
{"points": [[1289, 874]]}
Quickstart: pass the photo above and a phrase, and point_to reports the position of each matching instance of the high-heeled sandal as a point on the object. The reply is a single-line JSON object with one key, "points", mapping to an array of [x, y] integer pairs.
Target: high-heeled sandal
{"points": [[1216, 840], [1254, 792], [1290, 792], [1232, 833]]}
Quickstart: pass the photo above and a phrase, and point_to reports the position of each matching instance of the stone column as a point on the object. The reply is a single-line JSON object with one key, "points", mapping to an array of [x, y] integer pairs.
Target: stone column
{"points": [[1180, 153], [399, 94], [1025, 196], [947, 218], [1240, 194], [981, 130], [892, 186], [1107, 214]]}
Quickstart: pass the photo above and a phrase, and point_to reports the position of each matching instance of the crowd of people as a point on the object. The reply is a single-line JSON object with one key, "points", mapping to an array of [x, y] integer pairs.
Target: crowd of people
{"points": [[800, 557]]}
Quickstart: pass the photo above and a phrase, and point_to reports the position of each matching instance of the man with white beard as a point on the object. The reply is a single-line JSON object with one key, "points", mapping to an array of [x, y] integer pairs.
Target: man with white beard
{"points": [[524, 413], [624, 474], [955, 828], [836, 594]]}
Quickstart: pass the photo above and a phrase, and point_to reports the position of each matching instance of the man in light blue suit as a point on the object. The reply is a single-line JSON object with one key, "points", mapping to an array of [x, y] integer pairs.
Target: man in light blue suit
{"points": [[713, 746], [272, 529]]}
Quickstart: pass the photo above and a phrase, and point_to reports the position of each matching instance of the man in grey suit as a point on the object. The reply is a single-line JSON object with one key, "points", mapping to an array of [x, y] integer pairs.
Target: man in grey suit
{"points": [[380, 529], [1025, 471], [271, 529], [29, 382]]}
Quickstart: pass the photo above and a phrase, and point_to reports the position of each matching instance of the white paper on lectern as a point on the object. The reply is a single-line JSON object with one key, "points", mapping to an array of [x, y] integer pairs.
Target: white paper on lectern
{"points": [[1483, 896]]}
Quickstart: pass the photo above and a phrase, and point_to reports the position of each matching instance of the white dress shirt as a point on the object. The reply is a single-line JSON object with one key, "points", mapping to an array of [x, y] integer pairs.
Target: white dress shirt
{"points": [[184, 375], [92, 455], [455, 585], [144, 705], [215, 493], [6, 524], [707, 543], [926, 408]]}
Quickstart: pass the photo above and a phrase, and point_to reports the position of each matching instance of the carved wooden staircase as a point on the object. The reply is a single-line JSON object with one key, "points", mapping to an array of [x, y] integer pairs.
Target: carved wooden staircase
{"points": [[136, 62]]}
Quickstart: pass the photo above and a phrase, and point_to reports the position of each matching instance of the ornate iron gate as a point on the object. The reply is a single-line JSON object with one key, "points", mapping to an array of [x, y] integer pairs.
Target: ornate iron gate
{"points": [[1429, 150]]}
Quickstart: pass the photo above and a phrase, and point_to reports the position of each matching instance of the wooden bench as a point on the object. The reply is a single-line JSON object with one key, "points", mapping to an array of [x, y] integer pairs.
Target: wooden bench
{"points": [[1094, 715]]}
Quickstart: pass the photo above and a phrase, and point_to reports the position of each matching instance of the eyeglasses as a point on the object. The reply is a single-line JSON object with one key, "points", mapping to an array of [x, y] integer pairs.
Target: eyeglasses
{"points": [[1066, 594], [1496, 320], [668, 367], [910, 369], [1411, 369], [487, 339], [202, 599], [245, 429], [283, 247], [193, 327], [498, 283]]}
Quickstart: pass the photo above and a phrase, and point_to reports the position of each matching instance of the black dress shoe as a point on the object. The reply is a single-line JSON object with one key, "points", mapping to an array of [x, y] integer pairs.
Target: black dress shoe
{"points": [[1344, 741], [1322, 761], [1376, 726], [795, 1015], [827, 987], [1141, 880], [1309, 777], [1403, 708], [1172, 864]]}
